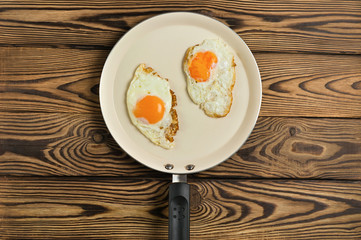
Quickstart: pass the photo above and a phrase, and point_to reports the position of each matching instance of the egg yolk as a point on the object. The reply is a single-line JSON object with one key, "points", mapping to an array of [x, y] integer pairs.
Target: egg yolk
{"points": [[201, 65], [151, 108]]}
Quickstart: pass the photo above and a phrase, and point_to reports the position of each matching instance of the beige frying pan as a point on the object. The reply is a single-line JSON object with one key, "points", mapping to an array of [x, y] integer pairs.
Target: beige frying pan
{"points": [[201, 142]]}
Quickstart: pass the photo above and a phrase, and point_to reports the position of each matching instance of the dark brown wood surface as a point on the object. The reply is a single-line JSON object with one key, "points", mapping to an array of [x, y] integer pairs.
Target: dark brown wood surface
{"points": [[294, 85], [63, 176], [80, 145], [83, 208], [296, 26]]}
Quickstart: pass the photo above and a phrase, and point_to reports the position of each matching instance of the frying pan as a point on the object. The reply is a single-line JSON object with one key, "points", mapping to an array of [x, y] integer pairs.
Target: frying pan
{"points": [[201, 142]]}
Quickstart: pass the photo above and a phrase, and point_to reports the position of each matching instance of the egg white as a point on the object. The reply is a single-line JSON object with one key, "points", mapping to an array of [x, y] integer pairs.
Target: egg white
{"points": [[149, 83], [214, 95]]}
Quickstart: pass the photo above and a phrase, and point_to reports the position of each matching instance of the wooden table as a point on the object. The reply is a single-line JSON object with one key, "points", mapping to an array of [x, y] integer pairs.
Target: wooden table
{"points": [[63, 176]]}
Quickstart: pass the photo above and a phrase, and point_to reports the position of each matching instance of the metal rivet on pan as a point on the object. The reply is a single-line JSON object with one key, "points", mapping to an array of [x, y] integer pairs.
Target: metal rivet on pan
{"points": [[190, 167], [169, 166]]}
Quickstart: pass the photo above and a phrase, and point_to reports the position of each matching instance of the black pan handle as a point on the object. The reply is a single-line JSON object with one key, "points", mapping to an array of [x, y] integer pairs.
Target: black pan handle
{"points": [[178, 211]]}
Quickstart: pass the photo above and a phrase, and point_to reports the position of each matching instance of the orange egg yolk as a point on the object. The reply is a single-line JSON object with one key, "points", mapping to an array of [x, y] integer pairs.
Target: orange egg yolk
{"points": [[201, 66], [151, 108]]}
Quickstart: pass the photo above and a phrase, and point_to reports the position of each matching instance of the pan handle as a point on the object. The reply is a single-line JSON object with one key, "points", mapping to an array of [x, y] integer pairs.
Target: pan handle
{"points": [[178, 209]]}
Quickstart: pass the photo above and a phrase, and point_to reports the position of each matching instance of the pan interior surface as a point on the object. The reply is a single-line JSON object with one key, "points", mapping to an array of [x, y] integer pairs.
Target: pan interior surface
{"points": [[161, 42]]}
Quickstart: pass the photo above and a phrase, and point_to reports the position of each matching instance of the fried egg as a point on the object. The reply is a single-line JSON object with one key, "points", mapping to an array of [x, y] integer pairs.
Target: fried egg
{"points": [[210, 72], [150, 103]]}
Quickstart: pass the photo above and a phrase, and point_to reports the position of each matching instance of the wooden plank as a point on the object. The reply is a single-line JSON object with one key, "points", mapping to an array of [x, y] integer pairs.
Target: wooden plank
{"points": [[306, 85], [50, 80], [79, 208], [67, 80], [80, 145], [281, 26]]}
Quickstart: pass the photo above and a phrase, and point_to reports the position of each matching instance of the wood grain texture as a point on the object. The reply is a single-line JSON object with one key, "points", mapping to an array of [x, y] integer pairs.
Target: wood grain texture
{"points": [[62, 175], [67, 80], [310, 85], [297, 26], [80, 145], [79, 208], [50, 80]]}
